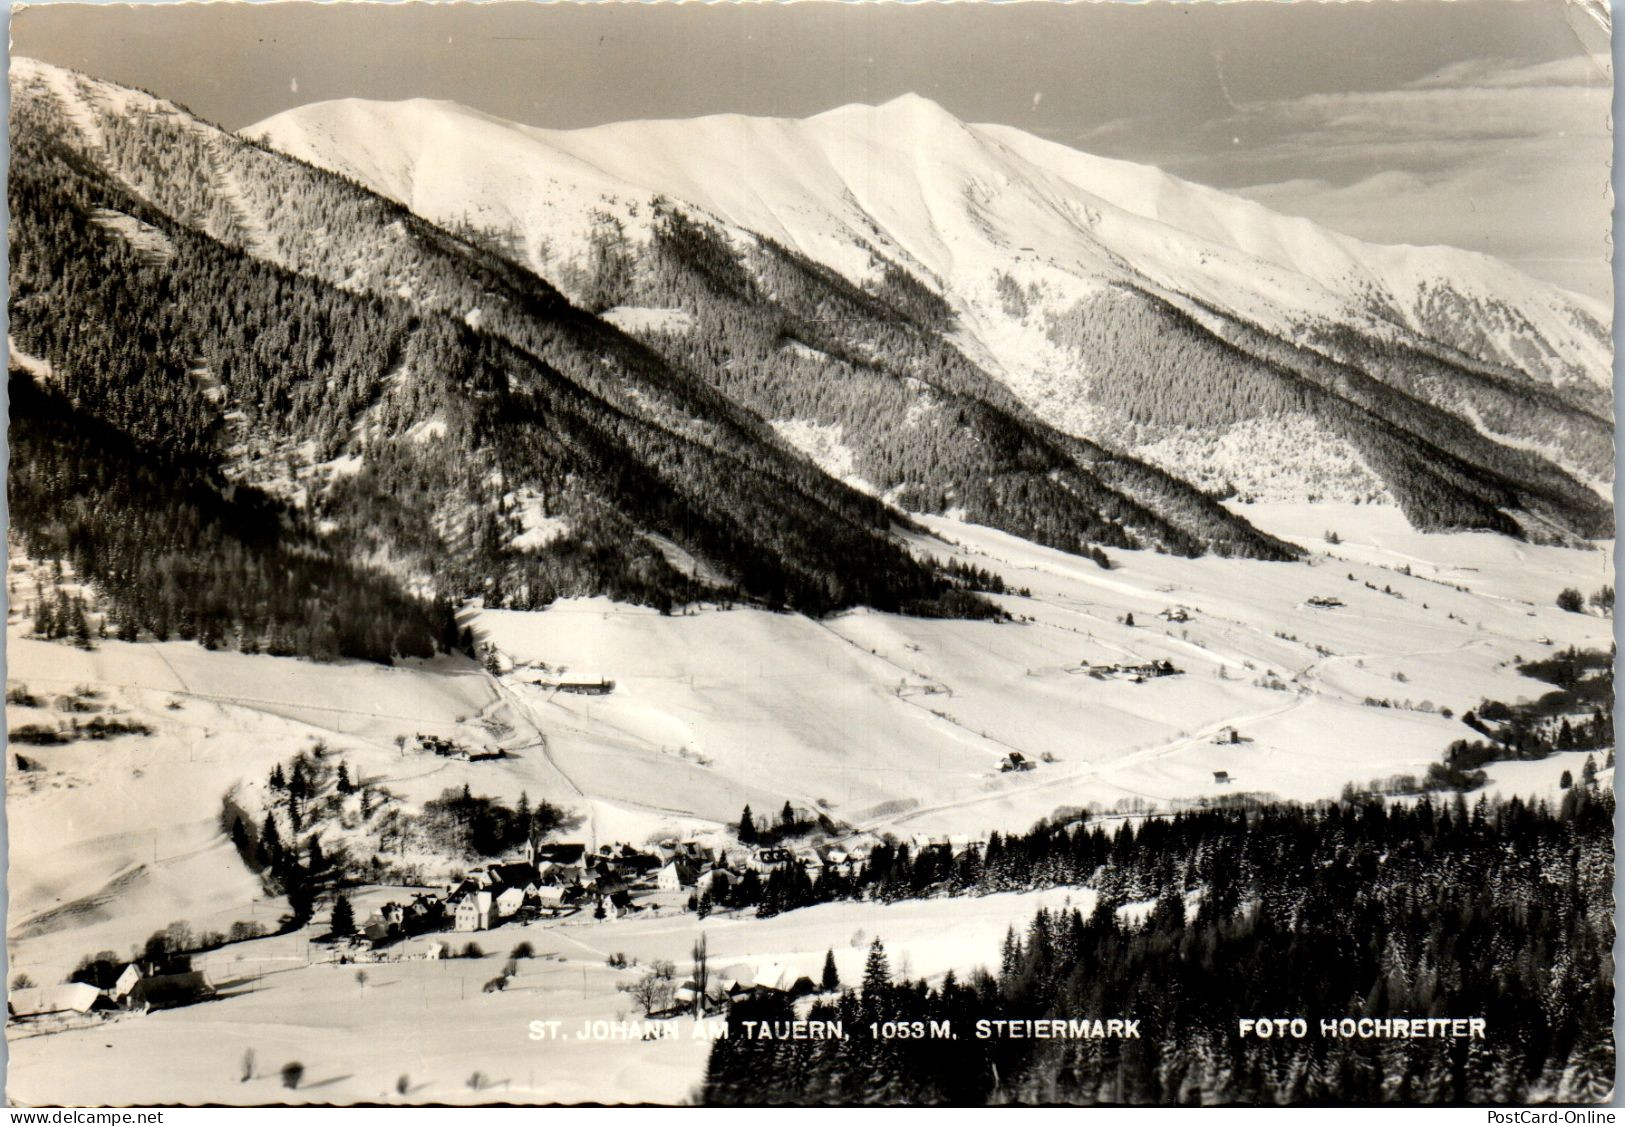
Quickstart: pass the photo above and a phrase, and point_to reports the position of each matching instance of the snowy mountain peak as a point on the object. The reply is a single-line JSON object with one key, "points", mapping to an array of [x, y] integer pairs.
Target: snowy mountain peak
{"points": [[911, 109]]}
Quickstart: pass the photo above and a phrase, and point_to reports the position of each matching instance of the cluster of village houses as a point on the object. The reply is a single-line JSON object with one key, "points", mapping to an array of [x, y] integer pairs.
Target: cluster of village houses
{"points": [[563, 878], [1139, 672], [552, 879]]}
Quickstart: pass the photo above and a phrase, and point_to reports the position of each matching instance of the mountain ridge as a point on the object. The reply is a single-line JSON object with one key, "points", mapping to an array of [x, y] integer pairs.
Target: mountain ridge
{"points": [[1014, 251], [1106, 178], [417, 405]]}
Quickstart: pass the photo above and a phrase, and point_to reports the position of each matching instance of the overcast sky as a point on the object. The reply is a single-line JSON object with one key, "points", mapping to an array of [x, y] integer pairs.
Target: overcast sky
{"points": [[1478, 123]]}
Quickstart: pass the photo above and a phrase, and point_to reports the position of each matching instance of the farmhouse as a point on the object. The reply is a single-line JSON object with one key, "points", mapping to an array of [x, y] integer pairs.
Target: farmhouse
{"points": [[616, 904], [1139, 673], [425, 909], [599, 687], [676, 875], [767, 978], [75, 997], [169, 991]]}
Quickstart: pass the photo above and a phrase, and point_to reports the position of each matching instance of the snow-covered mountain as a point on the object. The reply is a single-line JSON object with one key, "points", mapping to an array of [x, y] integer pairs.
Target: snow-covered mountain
{"points": [[428, 421], [1027, 241]]}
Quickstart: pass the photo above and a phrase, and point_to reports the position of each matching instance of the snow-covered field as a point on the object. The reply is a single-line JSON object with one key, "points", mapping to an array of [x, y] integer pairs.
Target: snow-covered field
{"points": [[431, 1022], [887, 723]]}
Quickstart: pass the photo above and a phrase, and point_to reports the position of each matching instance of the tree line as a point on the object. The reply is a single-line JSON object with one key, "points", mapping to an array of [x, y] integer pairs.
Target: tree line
{"points": [[1500, 911]]}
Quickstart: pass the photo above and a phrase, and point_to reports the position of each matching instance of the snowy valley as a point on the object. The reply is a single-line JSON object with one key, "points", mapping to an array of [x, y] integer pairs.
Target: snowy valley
{"points": [[477, 525]]}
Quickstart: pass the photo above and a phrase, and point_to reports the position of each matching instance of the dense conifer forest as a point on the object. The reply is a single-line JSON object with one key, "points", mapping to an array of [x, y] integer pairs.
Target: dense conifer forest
{"points": [[1501, 911], [173, 557], [408, 399], [793, 340]]}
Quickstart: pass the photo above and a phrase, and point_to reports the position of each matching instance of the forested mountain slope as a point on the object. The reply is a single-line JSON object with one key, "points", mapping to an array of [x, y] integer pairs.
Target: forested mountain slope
{"points": [[418, 406], [1471, 395], [232, 324]]}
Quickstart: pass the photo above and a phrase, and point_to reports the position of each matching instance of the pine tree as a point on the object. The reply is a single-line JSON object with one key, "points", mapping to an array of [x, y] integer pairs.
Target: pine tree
{"points": [[747, 828], [1010, 962], [876, 971], [271, 843], [831, 980], [301, 895], [343, 917]]}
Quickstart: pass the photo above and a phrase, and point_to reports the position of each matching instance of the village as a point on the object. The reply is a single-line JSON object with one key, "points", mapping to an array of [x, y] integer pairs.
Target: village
{"points": [[550, 882], [558, 880]]}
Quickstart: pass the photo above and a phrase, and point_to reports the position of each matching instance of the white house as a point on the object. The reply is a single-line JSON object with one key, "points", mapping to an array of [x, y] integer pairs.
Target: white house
{"points": [[509, 901], [126, 982], [675, 876], [473, 912]]}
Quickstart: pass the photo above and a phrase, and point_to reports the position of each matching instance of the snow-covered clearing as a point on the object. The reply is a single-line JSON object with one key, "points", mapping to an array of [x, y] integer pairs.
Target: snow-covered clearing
{"points": [[537, 528], [148, 241], [636, 319], [35, 366], [825, 446], [252, 230]]}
